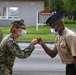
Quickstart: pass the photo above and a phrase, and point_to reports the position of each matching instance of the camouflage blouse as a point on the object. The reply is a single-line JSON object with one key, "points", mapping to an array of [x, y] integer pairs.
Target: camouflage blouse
{"points": [[9, 50]]}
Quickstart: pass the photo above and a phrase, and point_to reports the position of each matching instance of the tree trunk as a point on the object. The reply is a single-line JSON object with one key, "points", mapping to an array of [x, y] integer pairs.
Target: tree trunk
{"points": [[74, 15], [70, 16]]}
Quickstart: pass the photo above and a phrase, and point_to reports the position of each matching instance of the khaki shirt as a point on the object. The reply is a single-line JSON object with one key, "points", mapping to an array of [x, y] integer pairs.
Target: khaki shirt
{"points": [[65, 45]]}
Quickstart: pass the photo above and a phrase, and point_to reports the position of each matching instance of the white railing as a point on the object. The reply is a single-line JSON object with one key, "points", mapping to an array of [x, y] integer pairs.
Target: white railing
{"points": [[9, 17]]}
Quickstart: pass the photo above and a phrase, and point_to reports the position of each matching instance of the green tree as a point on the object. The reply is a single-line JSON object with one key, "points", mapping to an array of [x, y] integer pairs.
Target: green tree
{"points": [[66, 6], [46, 4], [74, 10], [56, 5], [69, 7]]}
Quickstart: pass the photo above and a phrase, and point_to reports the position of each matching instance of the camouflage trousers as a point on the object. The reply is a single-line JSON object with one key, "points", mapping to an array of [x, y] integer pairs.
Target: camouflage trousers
{"points": [[4, 70]]}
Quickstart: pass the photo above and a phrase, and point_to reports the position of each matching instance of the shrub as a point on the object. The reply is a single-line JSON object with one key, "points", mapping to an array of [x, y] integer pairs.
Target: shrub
{"points": [[70, 21]]}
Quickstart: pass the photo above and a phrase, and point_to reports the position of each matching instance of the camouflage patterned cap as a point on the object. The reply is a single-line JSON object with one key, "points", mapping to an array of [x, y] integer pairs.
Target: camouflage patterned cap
{"points": [[18, 23]]}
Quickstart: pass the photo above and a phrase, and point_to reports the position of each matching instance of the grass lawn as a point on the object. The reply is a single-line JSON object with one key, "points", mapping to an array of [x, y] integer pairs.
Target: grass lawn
{"points": [[71, 25], [44, 32]]}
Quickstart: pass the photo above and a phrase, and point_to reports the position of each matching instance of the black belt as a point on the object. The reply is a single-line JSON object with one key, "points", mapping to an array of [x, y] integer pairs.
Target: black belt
{"points": [[70, 64]]}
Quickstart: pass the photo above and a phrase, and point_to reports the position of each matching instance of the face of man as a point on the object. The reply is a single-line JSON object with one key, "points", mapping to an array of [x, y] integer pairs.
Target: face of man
{"points": [[57, 26]]}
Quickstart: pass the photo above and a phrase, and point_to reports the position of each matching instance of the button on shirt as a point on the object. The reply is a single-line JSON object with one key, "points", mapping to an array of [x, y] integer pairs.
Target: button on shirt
{"points": [[65, 45]]}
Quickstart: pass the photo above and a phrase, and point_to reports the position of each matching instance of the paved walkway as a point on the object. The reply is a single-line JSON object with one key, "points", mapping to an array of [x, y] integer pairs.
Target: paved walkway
{"points": [[39, 63], [72, 29]]}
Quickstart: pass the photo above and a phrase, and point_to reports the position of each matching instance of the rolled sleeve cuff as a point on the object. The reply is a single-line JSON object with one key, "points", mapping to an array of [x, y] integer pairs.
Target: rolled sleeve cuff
{"points": [[32, 46]]}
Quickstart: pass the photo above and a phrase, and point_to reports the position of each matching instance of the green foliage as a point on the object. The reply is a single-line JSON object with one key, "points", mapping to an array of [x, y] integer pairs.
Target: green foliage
{"points": [[57, 5], [46, 5], [71, 25], [4, 29], [69, 6], [66, 6], [43, 31], [70, 21], [45, 37]]}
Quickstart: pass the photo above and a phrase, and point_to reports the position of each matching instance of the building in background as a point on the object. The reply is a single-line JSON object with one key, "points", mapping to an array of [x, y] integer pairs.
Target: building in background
{"points": [[20, 9]]}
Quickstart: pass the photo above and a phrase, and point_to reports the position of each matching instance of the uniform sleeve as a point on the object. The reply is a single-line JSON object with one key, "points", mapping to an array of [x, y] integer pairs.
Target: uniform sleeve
{"points": [[71, 42], [55, 48], [16, 50], [55, 45]]}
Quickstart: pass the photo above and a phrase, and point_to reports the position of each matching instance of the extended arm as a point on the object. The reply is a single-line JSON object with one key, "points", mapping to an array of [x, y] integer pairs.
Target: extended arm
{"points": [[50, 52], [16, 50]]}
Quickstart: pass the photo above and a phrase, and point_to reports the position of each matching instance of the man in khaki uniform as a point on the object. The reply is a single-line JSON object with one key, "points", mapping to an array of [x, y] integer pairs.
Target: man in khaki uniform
{"points": [[9, 48], [65, 44]]}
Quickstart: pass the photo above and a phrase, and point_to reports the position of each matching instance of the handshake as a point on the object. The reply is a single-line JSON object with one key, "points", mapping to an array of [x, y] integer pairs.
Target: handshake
{"points": [[37, 41]]}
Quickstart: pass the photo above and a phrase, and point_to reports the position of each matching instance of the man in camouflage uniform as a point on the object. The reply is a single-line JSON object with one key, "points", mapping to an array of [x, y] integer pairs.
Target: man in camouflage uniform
{"points": [[1, 35], [9, 48]]}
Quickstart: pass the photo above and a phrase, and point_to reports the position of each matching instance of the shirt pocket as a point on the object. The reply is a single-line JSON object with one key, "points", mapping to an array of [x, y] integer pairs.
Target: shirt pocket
{"points": [[64, 47]]}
